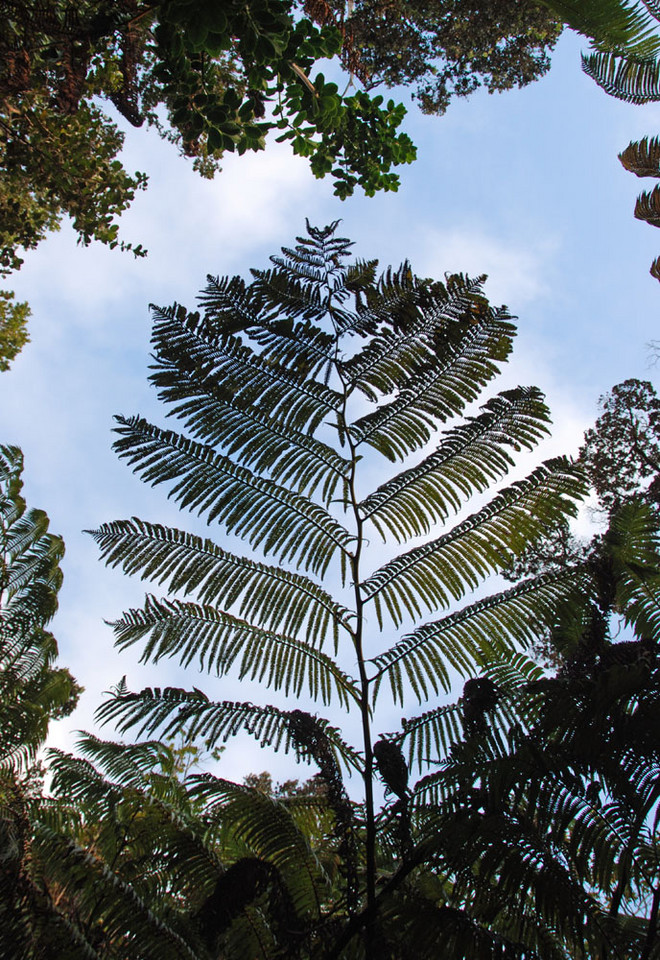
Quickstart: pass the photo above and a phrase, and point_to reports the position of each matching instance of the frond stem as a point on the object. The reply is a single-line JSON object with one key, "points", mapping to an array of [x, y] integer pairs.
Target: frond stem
{"points": [[358, 638]]}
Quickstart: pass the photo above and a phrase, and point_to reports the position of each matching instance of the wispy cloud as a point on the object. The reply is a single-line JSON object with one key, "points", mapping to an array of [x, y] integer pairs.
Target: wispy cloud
{"points": [[517, 271]]}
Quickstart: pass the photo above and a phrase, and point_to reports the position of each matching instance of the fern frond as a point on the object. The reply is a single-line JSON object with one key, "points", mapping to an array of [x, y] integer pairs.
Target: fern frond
{"points": [[441, 390], [31, 688], [435, 573], [469, 460], [642, 157], [247, 376], [211, 484], [654, 269], [268, 830], [113, 902], [647, 206], [317, 257], [404, 319], [77, 779], [172, 710], [433, 734], [469, 639], [250, 437], [634, 540], [635, 81], [269, 308], [279, 297], [620, 26], [517, 670], [131, 765], [388, 311], [219, 641], [267, 596]]}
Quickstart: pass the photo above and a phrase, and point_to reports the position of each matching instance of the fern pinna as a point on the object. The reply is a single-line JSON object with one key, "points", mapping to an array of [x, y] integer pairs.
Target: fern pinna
{"points": [[295, 390]]}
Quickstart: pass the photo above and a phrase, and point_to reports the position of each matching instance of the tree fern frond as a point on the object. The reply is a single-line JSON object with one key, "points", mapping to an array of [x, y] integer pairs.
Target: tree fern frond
{"points": [[34, 566], [272, 304], [131, 764], [23, 529], [318, 256], [268, 830], [469, 460], [634, 540], [12, 504], [654, 269], [433, 734], [635, 81], [188, 631], [517, 670], [642, 157], [113, 902], [407, 422], [389, 311], [77, 779], [280, 299], [268, 596], [227, 310], [434, 573], [647, 206], [250, 437], [360, 275], [286, 393], [653, 6], [172, 710], [614, 25], [405, 317], [250, 936], [32, 690], [469, 639], [275, 379], [211, 484]]}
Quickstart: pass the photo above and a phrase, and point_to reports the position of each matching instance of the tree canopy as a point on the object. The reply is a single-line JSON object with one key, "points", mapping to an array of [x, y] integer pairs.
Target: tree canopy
{"points": [[215, 78], [452, 47], [212, 78]]}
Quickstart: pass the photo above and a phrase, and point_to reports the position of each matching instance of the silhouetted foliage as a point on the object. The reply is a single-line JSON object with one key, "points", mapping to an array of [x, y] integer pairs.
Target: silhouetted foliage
{"points": [[289, 387]]}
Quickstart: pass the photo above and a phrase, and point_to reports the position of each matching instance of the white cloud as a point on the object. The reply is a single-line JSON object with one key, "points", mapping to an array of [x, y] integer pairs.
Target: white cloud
{"points": [[517, 272]]}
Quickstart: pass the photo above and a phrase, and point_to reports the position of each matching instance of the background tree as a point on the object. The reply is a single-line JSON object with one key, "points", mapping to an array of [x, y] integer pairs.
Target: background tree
{"points": [[621, 460], [211, 78], [621, 452], [291, 388], [13, 328], [448, 48], [32, 689], [572, 782], [218, 70]]}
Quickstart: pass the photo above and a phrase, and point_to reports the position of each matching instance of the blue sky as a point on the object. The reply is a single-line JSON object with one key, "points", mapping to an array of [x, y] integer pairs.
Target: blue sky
{"points": [[524, 186]]}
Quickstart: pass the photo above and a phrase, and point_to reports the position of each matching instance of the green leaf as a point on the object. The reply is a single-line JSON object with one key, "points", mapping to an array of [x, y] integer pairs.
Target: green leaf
{"points": [[472, 457], [436, 390], [466, 641], [212, 484], [270, 596], [438, 572], [188, 631]]}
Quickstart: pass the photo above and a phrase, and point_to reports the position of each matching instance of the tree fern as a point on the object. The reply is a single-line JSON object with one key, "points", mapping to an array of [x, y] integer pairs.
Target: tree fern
{"points": [[622, 26], [564, 788], [32, 689], [297, 389]]}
